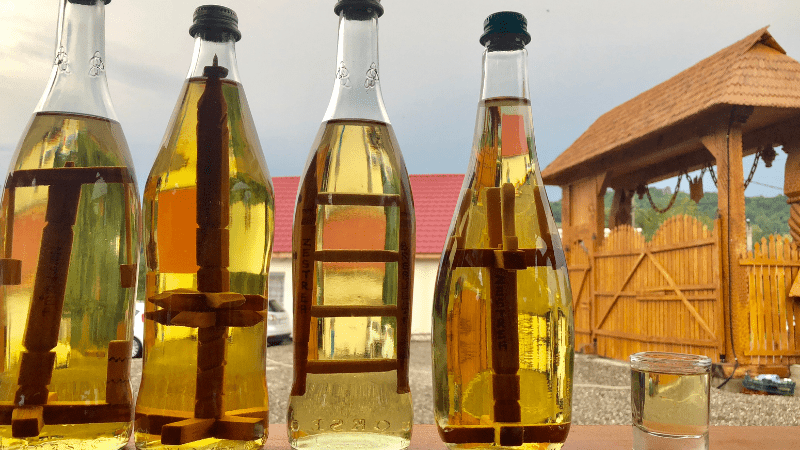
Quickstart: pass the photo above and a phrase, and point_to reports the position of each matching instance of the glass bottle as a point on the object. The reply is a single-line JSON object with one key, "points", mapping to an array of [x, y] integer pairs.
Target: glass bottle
{"points": [[353, 263], [208, 232], [69, 234], [502, 321]]}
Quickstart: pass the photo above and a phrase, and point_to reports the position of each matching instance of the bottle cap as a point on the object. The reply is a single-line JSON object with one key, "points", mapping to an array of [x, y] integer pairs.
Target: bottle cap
{"points": [[359, 4], [87, 2], [506, 23], [215, 19]]}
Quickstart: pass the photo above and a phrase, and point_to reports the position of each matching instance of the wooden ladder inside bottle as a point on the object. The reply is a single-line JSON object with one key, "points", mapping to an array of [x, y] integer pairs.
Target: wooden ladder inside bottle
{"points": [[212, 309], [503, 259], [34, 406], [306, 360]]}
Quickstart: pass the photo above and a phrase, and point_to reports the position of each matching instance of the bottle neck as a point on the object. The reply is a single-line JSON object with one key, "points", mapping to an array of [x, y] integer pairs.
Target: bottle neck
{"points": [[357, 86], [505, 74], [223, 46], [78, 81]]}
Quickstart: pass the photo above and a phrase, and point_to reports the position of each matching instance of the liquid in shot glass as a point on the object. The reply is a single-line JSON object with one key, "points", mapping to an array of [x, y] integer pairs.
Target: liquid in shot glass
{"points": [[670, 401]]}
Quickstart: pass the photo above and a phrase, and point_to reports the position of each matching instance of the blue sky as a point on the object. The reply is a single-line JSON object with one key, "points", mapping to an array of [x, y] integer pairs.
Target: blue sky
{"points": [[585, 58]]}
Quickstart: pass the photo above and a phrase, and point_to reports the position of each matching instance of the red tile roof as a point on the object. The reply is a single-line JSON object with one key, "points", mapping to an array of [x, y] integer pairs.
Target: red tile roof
{"points": [[435, 198]]}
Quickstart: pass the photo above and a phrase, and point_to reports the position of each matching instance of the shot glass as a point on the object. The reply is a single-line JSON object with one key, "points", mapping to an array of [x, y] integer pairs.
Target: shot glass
{"points": [[670, 401]]}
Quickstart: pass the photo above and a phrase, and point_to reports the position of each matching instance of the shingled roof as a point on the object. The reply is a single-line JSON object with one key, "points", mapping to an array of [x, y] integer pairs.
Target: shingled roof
{"points": [[752, 72], [435, 198]]}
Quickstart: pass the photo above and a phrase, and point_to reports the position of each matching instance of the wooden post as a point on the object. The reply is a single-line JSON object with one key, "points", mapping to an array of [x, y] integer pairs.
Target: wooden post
{"points": [[213, 198], [725, 143], [600, 209], [47, 301], [791, 185]]}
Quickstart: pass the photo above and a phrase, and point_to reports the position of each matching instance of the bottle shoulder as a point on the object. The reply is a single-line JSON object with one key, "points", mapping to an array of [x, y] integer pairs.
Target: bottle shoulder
{"points": [[53, 139], [357, 156], [177, 157]]}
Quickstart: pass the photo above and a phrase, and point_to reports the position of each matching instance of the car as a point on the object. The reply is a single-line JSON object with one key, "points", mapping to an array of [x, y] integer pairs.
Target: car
{"points": [[138, 330], [279, 328]]}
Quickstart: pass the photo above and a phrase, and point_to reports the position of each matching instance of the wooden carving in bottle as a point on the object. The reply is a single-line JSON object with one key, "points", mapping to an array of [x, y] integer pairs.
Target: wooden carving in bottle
{"points": [[502, 318], [353, 263], [69, 232], [209, 212]]}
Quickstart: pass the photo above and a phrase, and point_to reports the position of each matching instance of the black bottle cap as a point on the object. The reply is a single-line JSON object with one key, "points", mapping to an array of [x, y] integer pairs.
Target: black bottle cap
{"points": [[507, 24], [359, 5], [214, 21], [87, 2]]}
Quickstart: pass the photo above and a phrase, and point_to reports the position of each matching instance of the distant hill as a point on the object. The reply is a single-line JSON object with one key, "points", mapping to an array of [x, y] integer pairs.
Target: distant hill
{"points": [[768, 215]]}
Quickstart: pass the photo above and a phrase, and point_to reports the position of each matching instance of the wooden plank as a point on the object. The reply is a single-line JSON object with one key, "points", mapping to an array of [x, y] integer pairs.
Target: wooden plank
{"points": [[239, 428], [356, 256], [352, 366], [10, 271], [657, 339], [688, 305], [185, 431], [753, 302], [766, 303], [615, 294], [704, 242], [27, 421], [69, 413], [780, 303], [649, 298], [343, 199], [69, 175], [354, 311], [779, 352], [151, 420], [768, 262], [579, 292]]}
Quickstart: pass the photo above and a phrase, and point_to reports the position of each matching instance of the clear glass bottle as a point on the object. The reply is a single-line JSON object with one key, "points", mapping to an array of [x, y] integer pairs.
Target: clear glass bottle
{"points": [[353, 264], [69, 234], [502, 317], [208, 233]]}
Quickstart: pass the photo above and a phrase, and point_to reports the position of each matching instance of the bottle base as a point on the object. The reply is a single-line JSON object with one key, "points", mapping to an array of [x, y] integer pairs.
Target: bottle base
{"points": [[531, 446], [103, 436], [351, 441], [644, 440], [150, 442]]}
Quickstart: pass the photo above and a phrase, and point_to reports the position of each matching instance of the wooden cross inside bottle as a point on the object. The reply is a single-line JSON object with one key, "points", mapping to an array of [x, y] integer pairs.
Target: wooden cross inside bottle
{"points": [[212, 309]]}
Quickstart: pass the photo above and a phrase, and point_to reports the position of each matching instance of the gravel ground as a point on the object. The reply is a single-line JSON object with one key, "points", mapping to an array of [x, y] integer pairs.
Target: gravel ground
{"points": [[601, 392]]}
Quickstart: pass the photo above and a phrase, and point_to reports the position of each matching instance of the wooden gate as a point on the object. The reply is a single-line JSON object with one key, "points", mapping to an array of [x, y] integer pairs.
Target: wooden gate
{"points": [[663, 295], [774, 318], [580, 279]]}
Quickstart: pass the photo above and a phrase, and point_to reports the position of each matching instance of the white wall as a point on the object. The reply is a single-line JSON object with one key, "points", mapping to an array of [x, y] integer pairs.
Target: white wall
{"points": [[425, 268]]}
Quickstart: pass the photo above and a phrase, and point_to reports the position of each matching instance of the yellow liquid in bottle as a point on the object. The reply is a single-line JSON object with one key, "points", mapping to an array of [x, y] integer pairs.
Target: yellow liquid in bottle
{"points": [[170, 206], [354, 196], [97, 305], [462, 331]]}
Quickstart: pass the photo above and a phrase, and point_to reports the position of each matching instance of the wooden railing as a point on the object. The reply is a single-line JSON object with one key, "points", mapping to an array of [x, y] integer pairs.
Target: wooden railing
{"points": [[774, 318]]}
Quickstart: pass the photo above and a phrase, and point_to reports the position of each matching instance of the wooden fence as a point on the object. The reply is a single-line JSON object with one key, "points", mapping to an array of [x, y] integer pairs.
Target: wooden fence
{"points": [[774, 316], [580, 278], [632, 295], [665, 295]]}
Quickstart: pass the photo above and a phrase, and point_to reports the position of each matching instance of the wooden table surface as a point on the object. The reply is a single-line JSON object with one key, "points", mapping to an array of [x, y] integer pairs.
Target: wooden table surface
{"points": [[602, 437], [608, 437]]}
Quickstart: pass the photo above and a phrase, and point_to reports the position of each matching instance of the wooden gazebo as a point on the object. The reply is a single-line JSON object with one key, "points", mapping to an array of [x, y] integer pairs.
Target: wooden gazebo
{"points": [[689, 289]]}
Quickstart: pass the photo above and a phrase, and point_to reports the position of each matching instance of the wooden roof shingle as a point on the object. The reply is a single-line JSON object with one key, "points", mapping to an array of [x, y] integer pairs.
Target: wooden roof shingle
{"points": [[753, 72]]}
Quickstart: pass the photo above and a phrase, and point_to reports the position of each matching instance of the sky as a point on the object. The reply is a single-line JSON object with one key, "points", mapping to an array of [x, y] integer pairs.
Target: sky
{"points": [[586, 57]]}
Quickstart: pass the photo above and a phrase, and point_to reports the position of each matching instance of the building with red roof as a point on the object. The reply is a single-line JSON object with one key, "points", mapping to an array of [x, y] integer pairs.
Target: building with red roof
{"points": [[435, 198]]}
